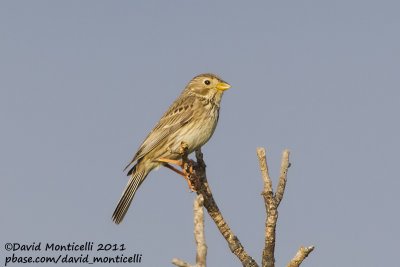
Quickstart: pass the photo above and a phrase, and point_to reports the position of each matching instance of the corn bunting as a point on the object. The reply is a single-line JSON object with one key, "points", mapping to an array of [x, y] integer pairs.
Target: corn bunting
{"points": [[191, 119]]}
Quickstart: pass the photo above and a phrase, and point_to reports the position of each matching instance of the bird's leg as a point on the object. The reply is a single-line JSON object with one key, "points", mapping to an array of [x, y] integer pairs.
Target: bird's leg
{"points": [[171, 161], [185, 164], [183, 173], [172, 168]]}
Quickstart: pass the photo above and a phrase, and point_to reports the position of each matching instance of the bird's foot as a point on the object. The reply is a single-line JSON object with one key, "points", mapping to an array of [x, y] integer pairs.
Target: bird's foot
{"points": [[191, 177]]}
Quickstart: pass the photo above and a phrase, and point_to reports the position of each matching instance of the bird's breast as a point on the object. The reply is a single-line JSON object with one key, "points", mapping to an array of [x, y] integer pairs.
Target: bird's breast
{"points": [[200, 130]]}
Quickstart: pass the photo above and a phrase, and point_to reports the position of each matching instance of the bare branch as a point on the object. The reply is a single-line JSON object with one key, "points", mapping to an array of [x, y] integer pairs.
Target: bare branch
{"points": [[264, 169], [268, 258], [180, 263], [201, 246], [301, 254], [201, 252], [280, 190], [199, 179]]}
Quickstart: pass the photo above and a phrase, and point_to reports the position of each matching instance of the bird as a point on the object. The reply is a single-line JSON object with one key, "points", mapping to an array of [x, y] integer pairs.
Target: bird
{"points": [[191, 119]]}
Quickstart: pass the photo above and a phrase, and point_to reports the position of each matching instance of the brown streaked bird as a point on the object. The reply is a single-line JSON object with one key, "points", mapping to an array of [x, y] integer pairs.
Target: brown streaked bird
{"points": [[191, 119]]}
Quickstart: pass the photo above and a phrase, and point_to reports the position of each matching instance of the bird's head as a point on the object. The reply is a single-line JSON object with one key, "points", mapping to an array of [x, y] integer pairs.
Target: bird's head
{"points": [[207, 85]]}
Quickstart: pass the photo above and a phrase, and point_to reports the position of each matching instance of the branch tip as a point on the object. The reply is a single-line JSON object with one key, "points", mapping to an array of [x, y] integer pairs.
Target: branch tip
{"points": [[280, 190], [180, 263], [301, 254]]}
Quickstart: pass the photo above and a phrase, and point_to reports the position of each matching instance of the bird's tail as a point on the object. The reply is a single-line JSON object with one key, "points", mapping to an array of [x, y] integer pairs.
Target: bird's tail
{"points": [[137, 177]]}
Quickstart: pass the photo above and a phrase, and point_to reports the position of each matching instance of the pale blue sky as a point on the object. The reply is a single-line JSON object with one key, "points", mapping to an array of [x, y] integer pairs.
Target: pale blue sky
{"points": [[82, 83]]}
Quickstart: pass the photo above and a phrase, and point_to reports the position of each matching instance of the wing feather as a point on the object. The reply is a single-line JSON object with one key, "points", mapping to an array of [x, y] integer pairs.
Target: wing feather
{"points": [[180, 113]]}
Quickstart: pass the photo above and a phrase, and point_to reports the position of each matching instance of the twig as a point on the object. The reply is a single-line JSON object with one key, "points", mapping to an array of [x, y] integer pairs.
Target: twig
{"points": [[271, 207], [180, 263], [280, 190], [301, 254], [264, 170], [201, 251]]}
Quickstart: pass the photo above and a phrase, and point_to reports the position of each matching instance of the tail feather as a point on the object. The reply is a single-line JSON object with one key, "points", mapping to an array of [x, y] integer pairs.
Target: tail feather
{"points": [[125, 201]]}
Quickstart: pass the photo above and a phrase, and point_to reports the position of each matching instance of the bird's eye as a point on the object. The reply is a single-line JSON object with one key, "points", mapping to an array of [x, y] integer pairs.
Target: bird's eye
{"points": [[207, 82]]}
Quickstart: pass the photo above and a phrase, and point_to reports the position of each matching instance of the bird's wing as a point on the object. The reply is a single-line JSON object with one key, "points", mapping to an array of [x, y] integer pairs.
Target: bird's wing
{"points": [[180, 113]]}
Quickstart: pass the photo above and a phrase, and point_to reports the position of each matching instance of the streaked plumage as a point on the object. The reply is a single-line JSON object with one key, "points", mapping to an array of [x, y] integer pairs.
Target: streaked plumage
{"points": [[192, 119]]}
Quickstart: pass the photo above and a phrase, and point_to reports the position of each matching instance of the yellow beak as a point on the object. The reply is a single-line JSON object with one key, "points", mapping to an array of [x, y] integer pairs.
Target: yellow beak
{"points": [[223, 86]]}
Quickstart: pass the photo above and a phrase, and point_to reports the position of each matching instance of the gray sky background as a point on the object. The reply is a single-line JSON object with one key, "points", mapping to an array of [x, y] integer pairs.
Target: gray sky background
{"points": [[83, 82]]}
